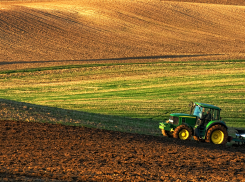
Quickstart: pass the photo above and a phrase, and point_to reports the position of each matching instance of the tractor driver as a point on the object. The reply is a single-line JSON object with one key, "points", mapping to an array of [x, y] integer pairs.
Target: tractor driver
{"points": [[205, 117]]}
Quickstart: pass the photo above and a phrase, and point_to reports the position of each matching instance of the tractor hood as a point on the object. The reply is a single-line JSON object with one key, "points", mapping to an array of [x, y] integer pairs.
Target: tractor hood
{"points": [[183, 115]]}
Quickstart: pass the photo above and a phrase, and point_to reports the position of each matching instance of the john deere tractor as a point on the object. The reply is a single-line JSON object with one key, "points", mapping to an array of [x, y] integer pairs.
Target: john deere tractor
{"points": [[203, 123]]}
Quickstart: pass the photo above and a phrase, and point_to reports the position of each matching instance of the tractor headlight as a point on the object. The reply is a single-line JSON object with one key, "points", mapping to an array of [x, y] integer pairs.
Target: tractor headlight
{"points": [[171, 121]]}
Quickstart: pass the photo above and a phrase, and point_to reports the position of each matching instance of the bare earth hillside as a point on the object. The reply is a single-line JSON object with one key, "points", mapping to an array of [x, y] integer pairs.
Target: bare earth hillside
{"points": [[36, 34]]}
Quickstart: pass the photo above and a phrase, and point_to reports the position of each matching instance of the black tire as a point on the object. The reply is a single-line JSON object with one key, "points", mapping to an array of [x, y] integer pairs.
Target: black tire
{"points": [[217, 134], [183, 132], [167, 133]]}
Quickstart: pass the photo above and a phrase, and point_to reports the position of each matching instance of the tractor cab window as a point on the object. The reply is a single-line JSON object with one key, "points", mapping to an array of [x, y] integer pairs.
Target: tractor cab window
{"points": [[205, 111], [204, 115], [197, 111], [215, 114]]}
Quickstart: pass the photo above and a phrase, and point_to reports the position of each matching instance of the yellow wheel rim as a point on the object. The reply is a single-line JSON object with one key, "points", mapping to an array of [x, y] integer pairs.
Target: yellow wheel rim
{"points": [[184, 134], [217, 137]]}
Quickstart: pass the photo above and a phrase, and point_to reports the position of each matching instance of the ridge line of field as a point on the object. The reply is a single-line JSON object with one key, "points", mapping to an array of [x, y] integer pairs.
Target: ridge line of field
{"points": [[102, 64]]}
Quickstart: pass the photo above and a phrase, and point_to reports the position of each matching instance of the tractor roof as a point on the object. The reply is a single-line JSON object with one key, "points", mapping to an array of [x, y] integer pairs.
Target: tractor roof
{"points": [[207, 105], [183, 115]]}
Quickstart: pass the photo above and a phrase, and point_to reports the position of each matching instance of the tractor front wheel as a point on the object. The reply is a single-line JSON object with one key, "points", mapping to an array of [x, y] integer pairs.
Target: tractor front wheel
{"points": [[167, 133], [217, 134], [182, 132]]}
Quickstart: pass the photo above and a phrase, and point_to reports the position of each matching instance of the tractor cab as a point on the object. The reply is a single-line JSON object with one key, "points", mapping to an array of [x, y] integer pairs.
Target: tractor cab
{"points": [[200, 110], [206, 114]]}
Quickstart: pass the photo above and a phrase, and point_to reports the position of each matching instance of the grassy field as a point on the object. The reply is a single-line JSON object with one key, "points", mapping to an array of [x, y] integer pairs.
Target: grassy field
{"points": [[129, 97]]}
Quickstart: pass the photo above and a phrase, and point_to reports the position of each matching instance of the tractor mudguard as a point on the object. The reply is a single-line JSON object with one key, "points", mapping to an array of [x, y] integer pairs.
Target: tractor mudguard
{"points": [[211, 123]]}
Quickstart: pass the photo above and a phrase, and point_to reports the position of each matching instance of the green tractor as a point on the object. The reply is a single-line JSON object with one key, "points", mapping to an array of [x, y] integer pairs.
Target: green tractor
{"points": [[203, 123]]}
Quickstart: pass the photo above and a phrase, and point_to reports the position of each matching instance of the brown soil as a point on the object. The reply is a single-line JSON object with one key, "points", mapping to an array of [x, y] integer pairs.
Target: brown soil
{"points": [[46, 152], [34, 34]]}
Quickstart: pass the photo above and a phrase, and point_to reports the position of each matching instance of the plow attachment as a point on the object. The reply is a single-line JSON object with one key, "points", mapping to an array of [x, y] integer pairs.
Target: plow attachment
{"points": [[240, 137]]}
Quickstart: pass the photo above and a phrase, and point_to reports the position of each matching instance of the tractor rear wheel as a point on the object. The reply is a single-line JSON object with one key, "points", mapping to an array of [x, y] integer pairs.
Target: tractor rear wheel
{"points": [[217, 134], [167, 133], [183, 132]]}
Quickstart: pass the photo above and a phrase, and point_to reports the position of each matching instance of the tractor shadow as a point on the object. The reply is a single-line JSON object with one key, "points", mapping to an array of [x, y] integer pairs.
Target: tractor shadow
{"points": [[113, 59]]}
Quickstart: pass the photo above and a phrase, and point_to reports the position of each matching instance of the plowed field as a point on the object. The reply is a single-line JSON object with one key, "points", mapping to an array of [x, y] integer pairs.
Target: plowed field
{"points": [[35, 33], [45, 152]]}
